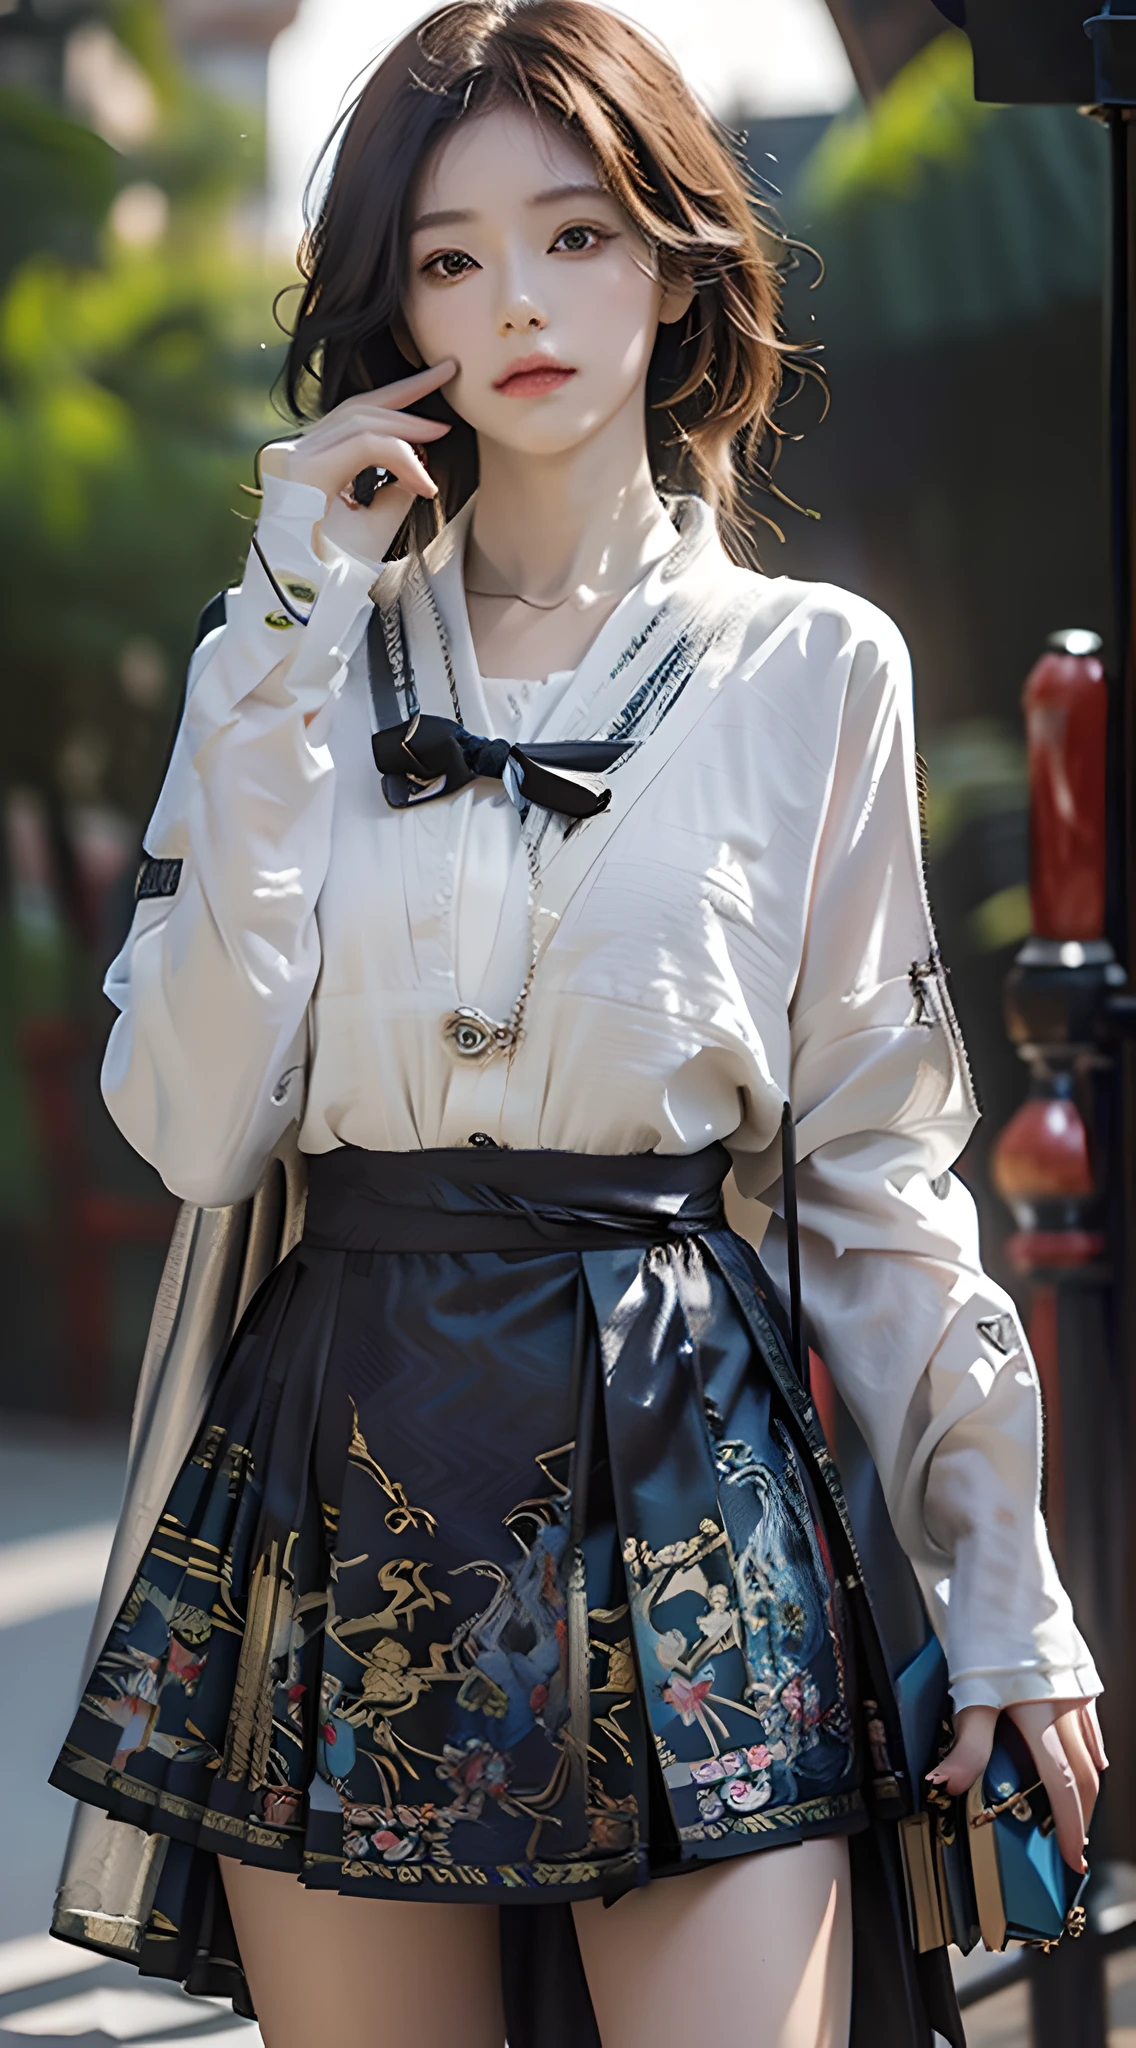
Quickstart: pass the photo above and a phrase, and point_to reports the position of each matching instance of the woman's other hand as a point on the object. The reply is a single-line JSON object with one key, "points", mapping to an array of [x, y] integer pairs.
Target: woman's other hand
{"points": [[1064, 1740], [371, 429]]}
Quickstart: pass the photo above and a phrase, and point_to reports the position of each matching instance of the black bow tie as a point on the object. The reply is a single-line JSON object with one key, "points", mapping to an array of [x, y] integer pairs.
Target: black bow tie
{"points": [[427, 757]]}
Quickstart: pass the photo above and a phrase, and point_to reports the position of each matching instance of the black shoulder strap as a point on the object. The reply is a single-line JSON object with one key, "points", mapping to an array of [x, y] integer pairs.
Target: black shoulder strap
{"points": [[793, 1242], [212, 617], [384, 695]]}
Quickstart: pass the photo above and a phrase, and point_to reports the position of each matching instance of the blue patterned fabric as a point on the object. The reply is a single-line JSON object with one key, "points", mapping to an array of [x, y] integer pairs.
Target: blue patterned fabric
{"points": [[515, 1573]]}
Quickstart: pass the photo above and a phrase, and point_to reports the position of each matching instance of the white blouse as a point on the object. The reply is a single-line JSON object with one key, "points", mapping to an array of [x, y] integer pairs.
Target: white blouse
{"points": [[746, 921]]}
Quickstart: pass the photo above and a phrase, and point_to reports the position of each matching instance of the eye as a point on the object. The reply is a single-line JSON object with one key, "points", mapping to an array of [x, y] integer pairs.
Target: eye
{"points": [[448, 263], [578, 239]]}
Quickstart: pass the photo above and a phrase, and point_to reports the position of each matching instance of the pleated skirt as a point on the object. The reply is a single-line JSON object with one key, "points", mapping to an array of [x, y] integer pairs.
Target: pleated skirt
{"points": [[506, 1565]]}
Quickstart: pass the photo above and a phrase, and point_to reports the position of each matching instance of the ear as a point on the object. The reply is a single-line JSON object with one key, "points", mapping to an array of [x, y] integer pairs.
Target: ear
{"points": [[404, 342], [677, 301]]}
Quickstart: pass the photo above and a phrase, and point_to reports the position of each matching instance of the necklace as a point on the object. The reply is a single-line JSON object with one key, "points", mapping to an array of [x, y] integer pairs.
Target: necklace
{"points": [[535, 604], [471, 1034], [514, 597]]}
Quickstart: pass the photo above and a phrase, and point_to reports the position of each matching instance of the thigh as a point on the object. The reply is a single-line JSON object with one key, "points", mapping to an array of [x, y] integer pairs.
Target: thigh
{"points": [[364, 1973], [754, 1954]]}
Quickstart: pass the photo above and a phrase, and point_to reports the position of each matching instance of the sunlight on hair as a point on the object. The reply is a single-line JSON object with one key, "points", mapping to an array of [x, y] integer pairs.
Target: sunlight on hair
{"points": [[741, 57]]}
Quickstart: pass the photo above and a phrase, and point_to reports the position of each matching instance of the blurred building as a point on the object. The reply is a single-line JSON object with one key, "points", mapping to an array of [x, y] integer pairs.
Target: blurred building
{"points": [[226, 43], [33, 39]]}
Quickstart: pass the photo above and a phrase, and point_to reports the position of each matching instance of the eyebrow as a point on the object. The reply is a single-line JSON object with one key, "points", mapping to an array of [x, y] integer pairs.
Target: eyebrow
{"points": [[586, 190], [450, 217]]}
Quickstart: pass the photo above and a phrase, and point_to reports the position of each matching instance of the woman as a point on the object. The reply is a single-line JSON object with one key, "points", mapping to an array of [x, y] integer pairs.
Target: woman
{"points": [[509, 1568]]}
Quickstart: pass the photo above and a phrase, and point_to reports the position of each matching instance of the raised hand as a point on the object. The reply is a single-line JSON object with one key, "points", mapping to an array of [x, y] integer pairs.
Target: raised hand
{"points": [[1064, 1739], [370, 429]]}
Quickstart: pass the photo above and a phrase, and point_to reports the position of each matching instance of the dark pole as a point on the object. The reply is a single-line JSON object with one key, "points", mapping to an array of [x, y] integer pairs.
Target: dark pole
{"points": [[1073, 1016], [1068, 1997], [1095, 1325], [1120, 1086], [1071, 1013], [1122, 904]]}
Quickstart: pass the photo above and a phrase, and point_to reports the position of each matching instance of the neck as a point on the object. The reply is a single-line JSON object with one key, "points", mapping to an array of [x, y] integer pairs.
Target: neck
{"points": [[585, 520]]}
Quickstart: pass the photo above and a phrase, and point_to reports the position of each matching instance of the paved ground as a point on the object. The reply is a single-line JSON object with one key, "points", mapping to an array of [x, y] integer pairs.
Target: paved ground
{"points": [[59, 1495], [1002, 2021]]}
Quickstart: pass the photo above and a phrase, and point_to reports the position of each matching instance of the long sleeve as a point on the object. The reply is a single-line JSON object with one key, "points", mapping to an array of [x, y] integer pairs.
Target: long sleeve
{"points": [[206, 1062], [927, 1352]]}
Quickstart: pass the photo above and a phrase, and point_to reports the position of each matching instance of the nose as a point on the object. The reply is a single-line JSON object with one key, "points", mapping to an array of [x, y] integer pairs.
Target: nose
{"points": [[521, 316], [520, 312]]}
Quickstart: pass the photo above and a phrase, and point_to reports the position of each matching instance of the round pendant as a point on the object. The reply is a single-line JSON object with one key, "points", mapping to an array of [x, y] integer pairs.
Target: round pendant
{"points": [[471, 1035]]}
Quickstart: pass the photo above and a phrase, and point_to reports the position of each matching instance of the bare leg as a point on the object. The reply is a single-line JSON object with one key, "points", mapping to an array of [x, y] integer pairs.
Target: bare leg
{"points": [[755, 1954], [365, 1973]]}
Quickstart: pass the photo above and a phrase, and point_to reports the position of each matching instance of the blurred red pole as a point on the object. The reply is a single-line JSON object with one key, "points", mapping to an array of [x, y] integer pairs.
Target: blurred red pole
{"points": [[1054, 1164], [84, 1225], [1065, 702]]}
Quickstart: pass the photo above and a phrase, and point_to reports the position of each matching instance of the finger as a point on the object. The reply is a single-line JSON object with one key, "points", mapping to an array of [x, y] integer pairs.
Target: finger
{"points": [[410, 425], [1037, 1722], [1091, 1729], [340, 447], [960, 1768], [406, 389], [965, 1762], [1084, 1769], [381, 419]]}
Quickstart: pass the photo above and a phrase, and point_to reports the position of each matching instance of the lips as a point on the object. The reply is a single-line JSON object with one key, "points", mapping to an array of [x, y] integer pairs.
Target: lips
{"points": [[532, 376]]}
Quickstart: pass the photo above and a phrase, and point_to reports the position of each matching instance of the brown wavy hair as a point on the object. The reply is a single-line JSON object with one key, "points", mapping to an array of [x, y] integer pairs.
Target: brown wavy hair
{"points": [[713, 377]]}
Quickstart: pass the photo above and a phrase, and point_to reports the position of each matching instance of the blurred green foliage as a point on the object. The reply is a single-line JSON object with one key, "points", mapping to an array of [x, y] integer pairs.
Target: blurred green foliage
{"points": [[928, 115], [58, 180], [939, 217], [134, 390], [978, 790], [976, 769]]}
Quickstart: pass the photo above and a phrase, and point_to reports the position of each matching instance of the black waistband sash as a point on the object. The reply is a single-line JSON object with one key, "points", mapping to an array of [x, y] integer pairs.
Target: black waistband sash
{"points": [[481, 1198]]}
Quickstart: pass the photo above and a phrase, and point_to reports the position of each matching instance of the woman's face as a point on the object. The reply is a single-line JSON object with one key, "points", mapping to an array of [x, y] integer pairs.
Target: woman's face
{"points": [[524, 270]]}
